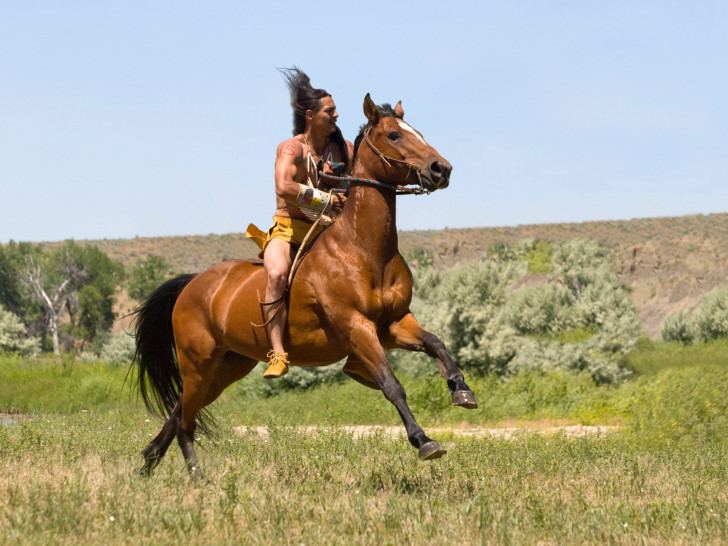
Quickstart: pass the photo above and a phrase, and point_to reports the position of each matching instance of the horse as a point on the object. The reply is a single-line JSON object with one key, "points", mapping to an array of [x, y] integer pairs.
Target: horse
{"points": [[198, 333]]}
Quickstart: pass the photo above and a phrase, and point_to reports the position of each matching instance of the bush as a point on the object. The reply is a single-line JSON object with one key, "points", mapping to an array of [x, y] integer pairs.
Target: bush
{"points": [[547, 309], [146, 276], [678, 327], [707, 322], [539, 259], [495, 317], [119, 350], [115, 349], [14, 337]]}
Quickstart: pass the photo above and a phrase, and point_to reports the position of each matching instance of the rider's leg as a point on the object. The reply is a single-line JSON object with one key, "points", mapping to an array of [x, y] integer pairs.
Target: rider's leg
{"points": [[277, 260]]}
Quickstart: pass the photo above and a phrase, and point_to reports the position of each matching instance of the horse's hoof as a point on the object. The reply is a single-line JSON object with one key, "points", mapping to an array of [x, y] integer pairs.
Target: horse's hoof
{"points": [[431, 450], [464, 399], [150, 463], [194, 470]]}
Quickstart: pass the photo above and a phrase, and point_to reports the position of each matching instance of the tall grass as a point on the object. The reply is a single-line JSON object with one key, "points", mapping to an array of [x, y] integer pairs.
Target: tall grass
{"points": [[69, 463], [649, 358], [70, 479], [52, 384]]}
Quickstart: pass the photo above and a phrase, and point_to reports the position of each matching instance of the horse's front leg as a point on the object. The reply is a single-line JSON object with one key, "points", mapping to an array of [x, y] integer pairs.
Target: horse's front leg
{"points": [[408, 334], [365, 345]]}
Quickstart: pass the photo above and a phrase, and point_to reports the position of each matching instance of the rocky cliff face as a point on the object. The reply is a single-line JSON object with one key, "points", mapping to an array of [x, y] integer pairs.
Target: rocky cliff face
{"points": [[668, 276]]}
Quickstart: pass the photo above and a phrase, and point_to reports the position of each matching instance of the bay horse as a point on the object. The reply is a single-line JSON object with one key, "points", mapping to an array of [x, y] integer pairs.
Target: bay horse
{"points": [[350, 297]]}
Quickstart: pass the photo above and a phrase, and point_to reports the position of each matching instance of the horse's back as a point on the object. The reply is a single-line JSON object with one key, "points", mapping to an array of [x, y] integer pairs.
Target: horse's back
{"points": [[222, 298]]}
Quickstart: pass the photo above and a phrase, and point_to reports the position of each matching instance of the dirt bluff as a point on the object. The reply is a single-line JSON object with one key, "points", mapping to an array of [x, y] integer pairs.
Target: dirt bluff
{"points": [[668, 263]]}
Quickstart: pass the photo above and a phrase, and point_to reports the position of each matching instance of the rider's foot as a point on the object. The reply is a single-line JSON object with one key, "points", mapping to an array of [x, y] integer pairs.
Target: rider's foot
{"points": [[278, 365]]}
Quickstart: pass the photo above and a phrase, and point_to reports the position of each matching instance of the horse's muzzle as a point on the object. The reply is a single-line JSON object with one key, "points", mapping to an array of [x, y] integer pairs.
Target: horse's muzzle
{"points": [[437, 175]]}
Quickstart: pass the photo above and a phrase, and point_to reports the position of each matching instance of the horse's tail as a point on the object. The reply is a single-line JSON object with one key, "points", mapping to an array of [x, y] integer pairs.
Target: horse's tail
{"points": [[159, 379]]}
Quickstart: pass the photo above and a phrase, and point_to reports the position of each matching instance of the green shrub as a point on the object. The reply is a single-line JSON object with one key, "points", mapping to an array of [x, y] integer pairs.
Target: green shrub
{"points": [[547, 309], [118, 350], [496, 318], [146, 276], [522, 250], [539, 259], [678, 327], [14, 337], [707, 322], [115, 349]]}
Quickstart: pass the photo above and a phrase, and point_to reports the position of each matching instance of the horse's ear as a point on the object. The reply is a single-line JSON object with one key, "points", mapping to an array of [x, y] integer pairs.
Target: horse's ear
{"points": [[370, 110], [399, 111]]}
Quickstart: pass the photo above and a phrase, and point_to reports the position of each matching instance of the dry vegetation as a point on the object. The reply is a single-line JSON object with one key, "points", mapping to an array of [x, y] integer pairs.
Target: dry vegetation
{"points": [[668, 263], [71, 433]]}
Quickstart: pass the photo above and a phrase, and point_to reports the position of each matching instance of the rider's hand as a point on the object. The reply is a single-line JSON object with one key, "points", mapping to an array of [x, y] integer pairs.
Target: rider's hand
{"points": [[339, 200]]}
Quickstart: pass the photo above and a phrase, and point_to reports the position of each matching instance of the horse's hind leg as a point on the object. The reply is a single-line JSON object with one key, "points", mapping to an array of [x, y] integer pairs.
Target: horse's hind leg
{"points": [[408, 334], [233, 367], [156, 449], [369, 352], [201, 385], [197, 358]]}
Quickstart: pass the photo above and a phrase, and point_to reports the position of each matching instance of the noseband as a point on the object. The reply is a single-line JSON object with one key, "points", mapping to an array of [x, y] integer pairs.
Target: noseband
{"points": [[388, 161]]}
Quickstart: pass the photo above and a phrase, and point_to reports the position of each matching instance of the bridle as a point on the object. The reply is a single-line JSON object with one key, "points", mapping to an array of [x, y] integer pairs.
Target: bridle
{"points": [[401, 190]]}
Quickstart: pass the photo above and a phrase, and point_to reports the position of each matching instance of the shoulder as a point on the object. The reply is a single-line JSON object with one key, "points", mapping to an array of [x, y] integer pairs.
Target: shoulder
{"points": [[291, 148]]}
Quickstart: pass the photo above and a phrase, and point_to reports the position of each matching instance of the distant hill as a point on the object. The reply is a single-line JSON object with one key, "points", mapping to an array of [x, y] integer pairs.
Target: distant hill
{"points": [[668, 263]]}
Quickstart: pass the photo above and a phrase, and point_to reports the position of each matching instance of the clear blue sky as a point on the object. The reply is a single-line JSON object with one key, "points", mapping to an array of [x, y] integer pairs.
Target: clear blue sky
{"points": [[120, 119]]}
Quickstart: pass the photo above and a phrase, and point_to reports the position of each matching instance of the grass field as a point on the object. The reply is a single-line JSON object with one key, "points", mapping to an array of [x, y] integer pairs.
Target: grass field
{"points": [[71, 436]]}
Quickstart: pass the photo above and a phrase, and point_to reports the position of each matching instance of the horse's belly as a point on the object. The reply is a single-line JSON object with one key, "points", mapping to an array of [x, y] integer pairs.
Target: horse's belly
{"points": [[307, 343]]}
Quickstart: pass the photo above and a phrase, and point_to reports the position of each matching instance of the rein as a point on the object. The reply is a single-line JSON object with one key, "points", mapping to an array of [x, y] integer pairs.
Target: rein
{"points": [[401, 190]]}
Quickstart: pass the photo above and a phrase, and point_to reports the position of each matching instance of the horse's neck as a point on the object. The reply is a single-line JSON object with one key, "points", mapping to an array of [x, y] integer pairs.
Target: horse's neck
{"points": [[371, 216]]}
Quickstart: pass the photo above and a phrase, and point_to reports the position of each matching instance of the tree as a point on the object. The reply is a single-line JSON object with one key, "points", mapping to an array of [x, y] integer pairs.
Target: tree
{"points": [[146, 276], [55, 285], [78, 280], [97, 295], [15, 295]]}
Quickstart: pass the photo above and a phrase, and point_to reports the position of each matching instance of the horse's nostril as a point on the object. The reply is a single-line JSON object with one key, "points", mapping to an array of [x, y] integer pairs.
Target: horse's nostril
{"points": [[439, 173]]}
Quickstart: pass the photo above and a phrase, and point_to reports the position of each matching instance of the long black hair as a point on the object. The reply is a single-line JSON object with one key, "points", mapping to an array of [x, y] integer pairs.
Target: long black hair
{"points": [[305, 97]]}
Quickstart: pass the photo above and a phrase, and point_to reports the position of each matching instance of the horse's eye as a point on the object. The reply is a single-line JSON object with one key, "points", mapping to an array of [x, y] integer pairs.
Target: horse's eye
{"points": [[393, 135]]}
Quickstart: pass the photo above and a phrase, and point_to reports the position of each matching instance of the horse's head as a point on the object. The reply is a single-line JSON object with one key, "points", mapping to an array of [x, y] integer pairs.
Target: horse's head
{"points": [[397, 149]]}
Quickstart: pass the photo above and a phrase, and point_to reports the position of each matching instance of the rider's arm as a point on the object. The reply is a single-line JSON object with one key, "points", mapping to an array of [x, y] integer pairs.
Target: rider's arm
{"points": [[288, 157]]}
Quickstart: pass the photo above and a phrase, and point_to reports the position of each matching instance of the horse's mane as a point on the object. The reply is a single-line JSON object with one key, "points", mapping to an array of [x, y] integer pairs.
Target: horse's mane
{"points": [[386, 111]]}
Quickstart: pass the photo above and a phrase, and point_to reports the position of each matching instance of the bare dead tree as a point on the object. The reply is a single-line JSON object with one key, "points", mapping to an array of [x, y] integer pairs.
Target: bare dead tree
{"points": [[60, 296]]}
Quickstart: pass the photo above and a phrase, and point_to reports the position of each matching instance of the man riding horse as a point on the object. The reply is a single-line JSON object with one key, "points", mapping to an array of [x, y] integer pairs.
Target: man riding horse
{"points": [[302, 200], [196, 334]]}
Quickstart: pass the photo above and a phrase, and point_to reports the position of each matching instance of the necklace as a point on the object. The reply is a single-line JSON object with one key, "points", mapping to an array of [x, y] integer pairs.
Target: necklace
{"points": [[307, 142]]}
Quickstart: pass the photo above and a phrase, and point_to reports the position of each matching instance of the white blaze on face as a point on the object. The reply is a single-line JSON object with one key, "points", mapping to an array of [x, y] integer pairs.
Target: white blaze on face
{"points": [[406, 127]]}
